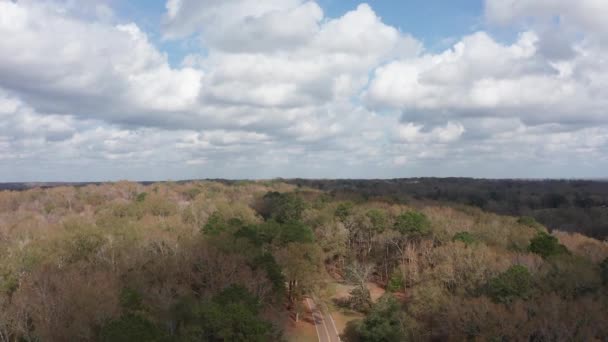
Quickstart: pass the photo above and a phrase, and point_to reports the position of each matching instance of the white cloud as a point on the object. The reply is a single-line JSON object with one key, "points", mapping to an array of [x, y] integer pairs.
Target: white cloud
{"points": [[218, 19], [280, 89], [47, 56], [411, 132], [124, 79], [333, 63], [480, 77], [18, 121], [588, 15]]}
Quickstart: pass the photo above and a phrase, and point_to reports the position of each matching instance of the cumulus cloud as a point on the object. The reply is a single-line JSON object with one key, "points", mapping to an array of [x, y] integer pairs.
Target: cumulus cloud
{"points": [[124, 79], [332, 63], [278, 88], [480, 77], [414, 133], [47, 56], [586, 15], [244, 25], [18, 121]]}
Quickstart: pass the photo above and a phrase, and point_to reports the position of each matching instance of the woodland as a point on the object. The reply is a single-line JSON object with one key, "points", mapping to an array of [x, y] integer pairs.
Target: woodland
{"points": [[572, 205], [211, 261]]}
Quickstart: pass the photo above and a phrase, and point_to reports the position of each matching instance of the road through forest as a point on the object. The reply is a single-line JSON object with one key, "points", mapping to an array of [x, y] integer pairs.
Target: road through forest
{"points": [[324, 323]]}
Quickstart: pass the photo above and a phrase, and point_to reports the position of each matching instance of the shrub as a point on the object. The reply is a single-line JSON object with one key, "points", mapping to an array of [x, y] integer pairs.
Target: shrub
{"points": [[130, 328], [465, 237], [141, 197], [343, 210], [396, 282], [360, 299], [383, 322], [130, 299], [516, 282], [412, 223], [378, 220], [546, 245], [215, 224]]}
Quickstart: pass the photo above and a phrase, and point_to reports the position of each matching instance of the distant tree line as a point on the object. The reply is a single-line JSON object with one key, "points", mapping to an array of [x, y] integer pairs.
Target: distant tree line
{"points": [[566, 205]]}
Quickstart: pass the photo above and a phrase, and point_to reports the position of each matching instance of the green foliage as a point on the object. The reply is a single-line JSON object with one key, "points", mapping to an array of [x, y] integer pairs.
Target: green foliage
{"points": [[465, 237], [282, 207], [141, 197], [571, 276], [383, 323], [191, 193], [130, 299], [302, 267], [295, 231], [343, 210], [232, 315], [81, 246], [131, 328], [412, 223], [360, 299], [516, 282], [378, 220], [231, 322], [273, 232], [8, 284], [321, 201], [80, 243], [217, 224], [546, 245], [267, 232], [251, 234], [238, 294], [273, 272], [396, 282]]}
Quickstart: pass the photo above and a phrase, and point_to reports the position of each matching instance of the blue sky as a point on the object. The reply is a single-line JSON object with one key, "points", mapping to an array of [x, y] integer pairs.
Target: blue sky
{"points": [[437, 23], [431, 21], [175, 89]]}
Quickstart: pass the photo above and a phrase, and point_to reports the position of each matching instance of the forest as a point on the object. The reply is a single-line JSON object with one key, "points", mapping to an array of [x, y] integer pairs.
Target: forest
{"points": [[217, 261], [566, 205]]}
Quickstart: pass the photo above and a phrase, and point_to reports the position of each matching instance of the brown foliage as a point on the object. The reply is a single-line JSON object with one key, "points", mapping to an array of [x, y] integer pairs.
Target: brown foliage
{"points": [[584, 246], [64, 304]]}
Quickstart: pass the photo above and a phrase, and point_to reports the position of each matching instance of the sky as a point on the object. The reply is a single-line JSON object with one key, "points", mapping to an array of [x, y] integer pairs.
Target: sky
{"points": [[95, 90]]}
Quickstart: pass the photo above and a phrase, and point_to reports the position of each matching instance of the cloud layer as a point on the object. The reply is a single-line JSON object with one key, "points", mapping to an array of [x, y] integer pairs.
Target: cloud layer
{"points": [[280, 89]]}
